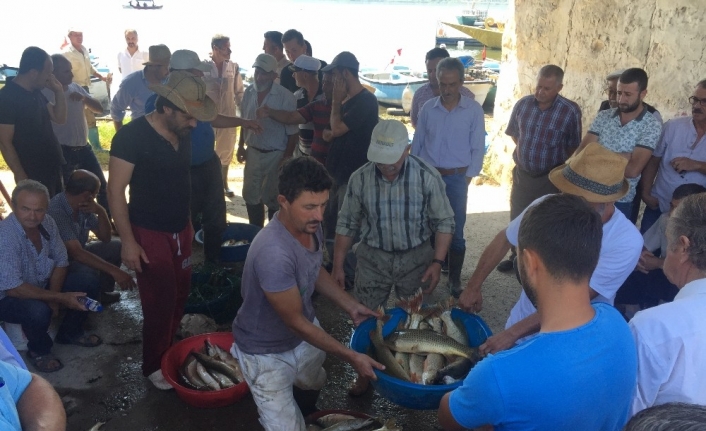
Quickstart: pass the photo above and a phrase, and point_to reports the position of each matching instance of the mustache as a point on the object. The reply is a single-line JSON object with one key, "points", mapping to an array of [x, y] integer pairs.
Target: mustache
{"points": [[697, 111]]}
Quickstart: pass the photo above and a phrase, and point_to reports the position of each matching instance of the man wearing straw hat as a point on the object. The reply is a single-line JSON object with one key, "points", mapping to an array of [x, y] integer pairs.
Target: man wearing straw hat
{"points": [[152, 155], [597, 175]]}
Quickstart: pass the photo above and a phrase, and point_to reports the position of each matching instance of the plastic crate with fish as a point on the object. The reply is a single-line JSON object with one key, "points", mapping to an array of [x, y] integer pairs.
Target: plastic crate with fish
{"points": [[235, 241]]}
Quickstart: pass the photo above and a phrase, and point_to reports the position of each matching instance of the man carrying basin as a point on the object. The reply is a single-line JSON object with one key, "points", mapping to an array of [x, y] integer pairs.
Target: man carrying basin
{"points": [[278, 340]]}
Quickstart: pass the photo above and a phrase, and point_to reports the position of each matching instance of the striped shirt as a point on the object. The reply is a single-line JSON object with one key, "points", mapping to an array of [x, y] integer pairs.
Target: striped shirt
{"points": [[306, 130], [70, 229], [545, 139], [396, 215], [318, 113], [19, 260]]}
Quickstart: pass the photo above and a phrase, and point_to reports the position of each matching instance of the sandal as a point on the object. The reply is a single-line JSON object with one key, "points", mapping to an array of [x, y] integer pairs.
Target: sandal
{"points": [[42, 362], [91, 340]]}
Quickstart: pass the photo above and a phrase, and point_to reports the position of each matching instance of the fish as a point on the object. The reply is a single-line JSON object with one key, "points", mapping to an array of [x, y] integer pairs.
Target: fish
{"points": [[435, 324], [416, 368], [353, 425], [313, 427], [192, 374], [453, 330], [234, 242], [456, 370], [390, 425], [424, 325], [333, 419], [425, 342], [215, 365], [223, 381], [384, 355], [210, 382], [97, 426], [230, 361], [403, 360], [432, 364], [448, 380]]}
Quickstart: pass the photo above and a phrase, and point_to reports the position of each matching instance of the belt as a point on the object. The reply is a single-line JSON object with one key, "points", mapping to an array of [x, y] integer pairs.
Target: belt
{"points": [[452, 171], [259, 150], [72, 148]]}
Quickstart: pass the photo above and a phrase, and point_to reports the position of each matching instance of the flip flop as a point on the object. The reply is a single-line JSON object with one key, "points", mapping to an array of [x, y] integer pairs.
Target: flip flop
{"points": [[83, 341], [41, 362]]}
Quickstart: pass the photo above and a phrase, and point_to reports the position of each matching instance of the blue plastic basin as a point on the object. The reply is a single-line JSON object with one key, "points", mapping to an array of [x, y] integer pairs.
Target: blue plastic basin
{"points": [[237, 231], [412, 395]]}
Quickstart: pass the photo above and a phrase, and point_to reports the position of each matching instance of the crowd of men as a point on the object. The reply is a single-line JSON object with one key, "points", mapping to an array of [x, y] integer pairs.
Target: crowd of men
{"points": [[336, 180]]}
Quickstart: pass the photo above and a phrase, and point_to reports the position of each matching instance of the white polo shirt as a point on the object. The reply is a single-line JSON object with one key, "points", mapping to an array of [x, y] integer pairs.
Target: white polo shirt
{"points": [[131, 63]]}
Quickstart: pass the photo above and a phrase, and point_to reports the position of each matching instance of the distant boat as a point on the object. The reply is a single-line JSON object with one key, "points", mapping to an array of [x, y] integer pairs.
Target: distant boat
{"points": [[469, 16], [491, 37], [142, 5], [389, 86]]}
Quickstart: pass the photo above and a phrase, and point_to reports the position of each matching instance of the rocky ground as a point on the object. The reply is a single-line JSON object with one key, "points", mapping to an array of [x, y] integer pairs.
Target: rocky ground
{"points": [[105, 384]]}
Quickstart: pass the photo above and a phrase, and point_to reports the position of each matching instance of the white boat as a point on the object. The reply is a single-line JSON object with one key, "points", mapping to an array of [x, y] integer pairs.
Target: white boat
{"points": [[390, 86]]}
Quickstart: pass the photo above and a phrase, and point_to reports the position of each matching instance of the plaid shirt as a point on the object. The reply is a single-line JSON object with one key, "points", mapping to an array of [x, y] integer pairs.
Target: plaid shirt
{"points": [[62, 213], [545, 139], [396, 215], [19, 260]]}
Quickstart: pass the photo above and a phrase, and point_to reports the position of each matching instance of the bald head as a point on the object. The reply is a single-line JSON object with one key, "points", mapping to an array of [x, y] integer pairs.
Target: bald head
{"points": [[82, 181]]}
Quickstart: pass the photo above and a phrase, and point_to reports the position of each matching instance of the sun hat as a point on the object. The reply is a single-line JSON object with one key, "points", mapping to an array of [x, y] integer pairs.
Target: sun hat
{"points": [[596, 174], [388, 142], [158, 55], [304, 62], [183, 59], [188, 93], [344, 59], [266, 62]]}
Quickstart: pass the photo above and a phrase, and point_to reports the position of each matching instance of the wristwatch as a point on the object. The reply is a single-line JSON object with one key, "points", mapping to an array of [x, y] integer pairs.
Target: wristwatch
{"points": [[439, 261]]}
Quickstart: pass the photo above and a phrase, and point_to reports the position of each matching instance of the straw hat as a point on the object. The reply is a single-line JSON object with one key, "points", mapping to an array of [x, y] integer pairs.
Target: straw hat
{"points": [[159, 54], [188, 93], [596, 174]]}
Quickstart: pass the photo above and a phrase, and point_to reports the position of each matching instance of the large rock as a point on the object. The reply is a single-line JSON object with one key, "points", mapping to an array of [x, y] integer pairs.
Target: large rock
{"points": [[589, 39]]}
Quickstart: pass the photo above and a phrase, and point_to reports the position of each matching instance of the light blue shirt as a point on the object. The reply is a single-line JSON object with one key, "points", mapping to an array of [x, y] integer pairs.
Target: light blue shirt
{"points": [[133, 93], [8, 353], [451, 139], [13, 382], [274, 135]]}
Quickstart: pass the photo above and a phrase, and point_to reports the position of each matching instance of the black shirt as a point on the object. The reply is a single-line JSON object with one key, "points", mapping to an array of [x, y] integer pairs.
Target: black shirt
{"points": [[350, 151], [160, 187], [286, 79]]}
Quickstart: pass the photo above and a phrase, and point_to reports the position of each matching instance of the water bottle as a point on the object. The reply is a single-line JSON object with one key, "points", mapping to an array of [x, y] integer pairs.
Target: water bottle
{"points": [[90, 304]]}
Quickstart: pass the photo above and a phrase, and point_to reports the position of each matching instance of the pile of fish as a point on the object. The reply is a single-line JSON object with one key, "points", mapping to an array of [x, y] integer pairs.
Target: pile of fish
{"points": [[234, 242], [211, 369], [428, 347], [342, 422]]}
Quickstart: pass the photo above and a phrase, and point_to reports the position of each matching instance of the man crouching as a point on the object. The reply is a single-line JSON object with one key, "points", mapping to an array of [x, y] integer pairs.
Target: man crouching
{"points": [[278, 340]]}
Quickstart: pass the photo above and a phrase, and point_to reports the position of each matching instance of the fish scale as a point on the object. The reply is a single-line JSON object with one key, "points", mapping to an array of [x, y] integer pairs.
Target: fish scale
{"points": [[421, 342]]}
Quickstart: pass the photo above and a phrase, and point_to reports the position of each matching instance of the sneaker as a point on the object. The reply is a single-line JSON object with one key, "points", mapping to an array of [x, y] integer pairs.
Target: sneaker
{"points": [[159, 382], [229, 193], [505, 266]]}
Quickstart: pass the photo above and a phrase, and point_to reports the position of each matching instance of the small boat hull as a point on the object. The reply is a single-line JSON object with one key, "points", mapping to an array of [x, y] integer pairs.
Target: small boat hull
{"points": [[389, 90], [479, 89]]}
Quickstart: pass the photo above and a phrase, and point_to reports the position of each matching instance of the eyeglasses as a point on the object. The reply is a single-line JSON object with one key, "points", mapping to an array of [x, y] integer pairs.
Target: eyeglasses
{"points": [[694, 100], [611, 92]]}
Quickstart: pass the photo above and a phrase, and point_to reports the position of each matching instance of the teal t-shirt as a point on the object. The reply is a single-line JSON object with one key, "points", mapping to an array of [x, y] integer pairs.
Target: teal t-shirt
{"points": [[13, 382]]}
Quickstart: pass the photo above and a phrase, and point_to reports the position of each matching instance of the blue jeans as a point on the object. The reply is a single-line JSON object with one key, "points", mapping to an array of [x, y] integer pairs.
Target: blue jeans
{"points": [[84, 158], [457, 192], [35, 315]]}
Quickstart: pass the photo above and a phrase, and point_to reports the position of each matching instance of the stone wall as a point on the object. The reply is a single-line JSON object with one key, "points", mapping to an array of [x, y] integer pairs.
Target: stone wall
{"points": [[589, 39]]}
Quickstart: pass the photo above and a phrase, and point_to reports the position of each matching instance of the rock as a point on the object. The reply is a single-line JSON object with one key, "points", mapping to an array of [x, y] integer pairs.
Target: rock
{"points": [[195, 324]]}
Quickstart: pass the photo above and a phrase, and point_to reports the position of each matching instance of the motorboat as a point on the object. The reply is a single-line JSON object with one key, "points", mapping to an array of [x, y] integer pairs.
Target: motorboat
{"points": [[388, 86], [142, 5]]}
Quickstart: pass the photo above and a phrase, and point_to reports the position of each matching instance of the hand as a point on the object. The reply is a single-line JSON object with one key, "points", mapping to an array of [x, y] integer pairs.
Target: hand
{"points": [[650, 201], [54, 310], [360, 313], [124, 280], [364, 364], [339, 89], [70, 300], [132, 254], [76, 96], [498, 342], [253, 126], [471, 300], [339, 276], [648, 262], [240, 154], [433, 273], [328, 135], [54, 85], [685, 164], [90, 207], [262, 112]]}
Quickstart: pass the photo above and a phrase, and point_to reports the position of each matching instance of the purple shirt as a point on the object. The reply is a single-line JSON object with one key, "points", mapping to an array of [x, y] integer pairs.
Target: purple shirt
{"points": [[424, 94], [545, 139], [451, 139], [276, 262]]}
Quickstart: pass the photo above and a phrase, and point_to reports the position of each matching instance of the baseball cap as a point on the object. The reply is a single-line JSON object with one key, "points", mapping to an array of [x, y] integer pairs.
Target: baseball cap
{"points": [[266, 62], [388, 142], [344, 59], [304, 62], [183, 59]]}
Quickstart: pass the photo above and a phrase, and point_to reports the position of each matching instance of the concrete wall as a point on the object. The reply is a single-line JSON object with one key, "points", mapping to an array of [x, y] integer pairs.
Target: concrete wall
{"points": [[591, 38]]}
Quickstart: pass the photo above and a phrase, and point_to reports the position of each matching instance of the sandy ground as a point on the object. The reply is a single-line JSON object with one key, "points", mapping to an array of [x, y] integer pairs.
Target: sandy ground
{"points": [[105, 384]]}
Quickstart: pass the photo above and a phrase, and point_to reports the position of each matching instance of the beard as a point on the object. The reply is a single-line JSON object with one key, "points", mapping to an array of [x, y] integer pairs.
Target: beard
{"points": [[629, 108], [530, 291], [260, 88]]}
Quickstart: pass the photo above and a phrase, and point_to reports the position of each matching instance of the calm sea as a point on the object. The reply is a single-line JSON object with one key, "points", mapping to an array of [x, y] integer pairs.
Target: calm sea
{"points": [[373, 31]]}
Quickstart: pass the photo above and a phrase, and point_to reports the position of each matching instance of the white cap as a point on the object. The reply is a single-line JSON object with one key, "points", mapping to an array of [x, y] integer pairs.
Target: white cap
{"points": [[183, 59], [388, 142], [304, 62], [266, 62]]}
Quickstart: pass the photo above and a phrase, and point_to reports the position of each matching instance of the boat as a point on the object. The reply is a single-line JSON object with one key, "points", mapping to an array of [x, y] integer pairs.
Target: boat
{"points": [[389, 86], [479, 88], [142, 5], [490, 36], [449, 37], [471, 15]]}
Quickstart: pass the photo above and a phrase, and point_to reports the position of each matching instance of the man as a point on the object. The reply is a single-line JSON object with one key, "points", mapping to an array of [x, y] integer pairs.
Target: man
{"points": [[354, 114], [80, 59], [430, 90], [73, 134], [135, 88], [27, 141], [278, 340], [273, 46], [152, 155], [583, 358], [131, 59], [225, 87], [76, 214], [317, 113], [33, 278], [630, 130], [680, 158], [294, 46], [546, 129], [611, 90], [450, 136], [266, 151], [29, 402], [596, 174], [673, 416], [395, 246], [669, 337]]}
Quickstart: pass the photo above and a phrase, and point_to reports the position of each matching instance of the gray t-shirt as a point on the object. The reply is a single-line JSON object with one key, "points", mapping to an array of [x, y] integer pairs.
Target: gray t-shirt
{"points": [[276, 262]]}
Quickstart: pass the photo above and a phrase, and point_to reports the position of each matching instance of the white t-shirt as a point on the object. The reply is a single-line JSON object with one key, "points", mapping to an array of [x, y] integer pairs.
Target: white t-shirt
{"points": [[131, 63], [620, 251], [74, 132]]}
